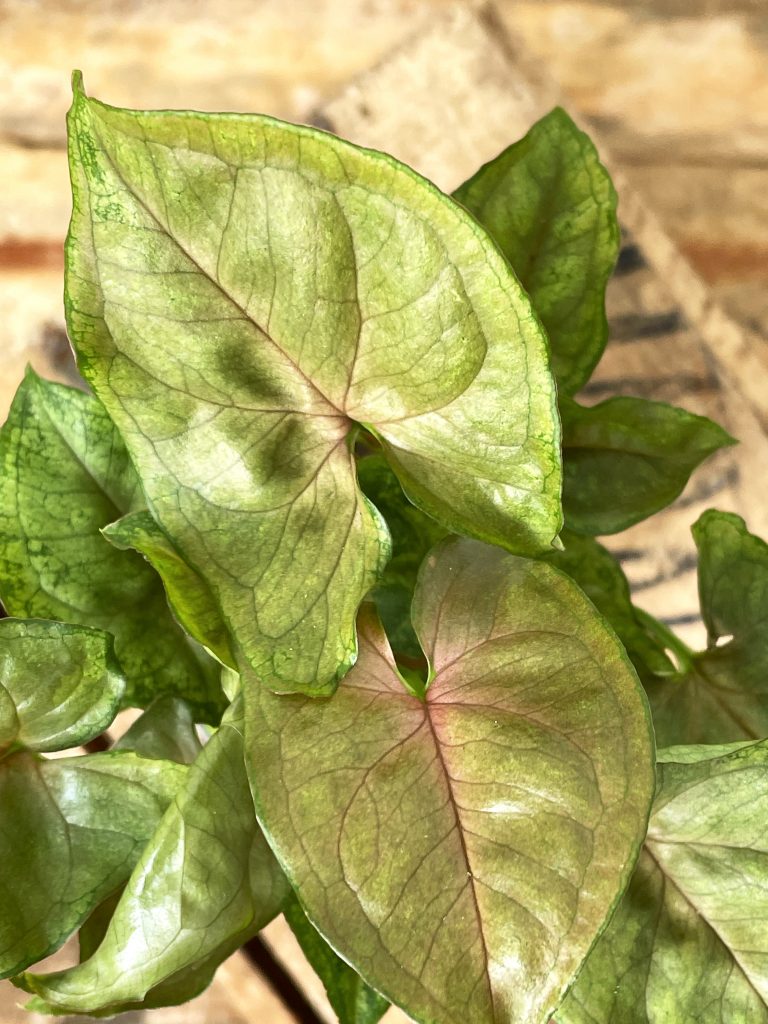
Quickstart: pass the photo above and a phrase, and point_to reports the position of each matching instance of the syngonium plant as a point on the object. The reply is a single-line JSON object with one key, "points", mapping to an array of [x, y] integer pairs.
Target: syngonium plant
{"points": [[332, 496]]}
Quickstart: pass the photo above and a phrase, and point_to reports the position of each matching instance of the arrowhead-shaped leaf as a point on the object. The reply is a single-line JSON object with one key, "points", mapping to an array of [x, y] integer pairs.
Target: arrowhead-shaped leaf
{"points": [[462, 852], [352, 1000], [689, 941], [626, 458], [72, 831], [206, 882], [601, 578], [549, 203], [64, 474], [59, 685], [722, 694], [241, 293]]}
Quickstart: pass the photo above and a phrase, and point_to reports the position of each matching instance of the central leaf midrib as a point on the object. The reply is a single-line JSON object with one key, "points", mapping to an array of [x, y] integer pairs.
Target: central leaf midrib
{"points": [[204, 273], [464, 850], [692, 904]]}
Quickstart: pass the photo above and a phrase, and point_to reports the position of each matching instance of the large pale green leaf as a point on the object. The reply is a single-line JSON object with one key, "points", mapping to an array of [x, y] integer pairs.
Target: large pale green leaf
{"points": [[188, 594], [165, 730], [549, 203], [601, 578], [463, 851], [205, 883], [59, 685], [72, 831], [722, 693], [689, 941], [64, 474], [241, 293], [413, 534], [353, 1001], [626, 458]]}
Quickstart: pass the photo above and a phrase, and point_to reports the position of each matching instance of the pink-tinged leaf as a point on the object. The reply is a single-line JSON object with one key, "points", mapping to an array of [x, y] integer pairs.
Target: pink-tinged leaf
{"points": [[464, 851]]}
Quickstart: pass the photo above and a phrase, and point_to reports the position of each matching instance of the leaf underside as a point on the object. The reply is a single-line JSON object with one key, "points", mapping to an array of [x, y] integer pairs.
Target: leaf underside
{"points": [[463, 852], [241, 293]]}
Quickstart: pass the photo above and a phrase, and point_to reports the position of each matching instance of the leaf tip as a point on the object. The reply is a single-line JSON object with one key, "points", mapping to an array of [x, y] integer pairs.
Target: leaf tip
{"points": [[78, 88]]}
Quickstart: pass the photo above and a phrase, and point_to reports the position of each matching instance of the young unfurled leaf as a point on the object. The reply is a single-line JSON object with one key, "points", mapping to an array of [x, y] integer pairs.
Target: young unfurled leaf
{"points": [[689, 941], [188, 594], [463, 851], [205, 883], [64, 474], [352, 1000], [722, 694], [72, 831], [165, 730], [550, 205], [413, 534], [241, 293], [601, 578], [626, 458], [59, 685]]}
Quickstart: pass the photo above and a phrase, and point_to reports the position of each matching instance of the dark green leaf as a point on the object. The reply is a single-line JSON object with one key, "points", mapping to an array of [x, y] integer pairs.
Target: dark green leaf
{"points": [[353, 1001], [550, 205], [72, 831], [59, 685], [689, 942], [601, 578], [626, 458], [241, 294], [92, 932], [463, 851], [205, 883], [722, 693], [413, 534], [189, 595], [64, 474], [165, 730]]}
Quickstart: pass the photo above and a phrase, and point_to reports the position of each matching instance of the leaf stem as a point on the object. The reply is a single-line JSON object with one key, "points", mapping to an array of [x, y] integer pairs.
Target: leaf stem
{"points": [[684, 655]]}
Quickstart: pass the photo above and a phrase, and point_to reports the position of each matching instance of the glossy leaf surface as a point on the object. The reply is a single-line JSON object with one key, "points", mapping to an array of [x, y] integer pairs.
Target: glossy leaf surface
{"points": [[188, 594], [64, 474], [463, 852], [549, 203], [72, 831], [352, 1000], [689, 942], [241, 293], [601, 578], [627, 458], [59, 685], [722, 695], [206, 882]]}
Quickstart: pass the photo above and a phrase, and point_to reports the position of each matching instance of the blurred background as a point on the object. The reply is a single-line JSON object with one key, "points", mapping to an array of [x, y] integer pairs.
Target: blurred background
{"points": [[676, 90]]}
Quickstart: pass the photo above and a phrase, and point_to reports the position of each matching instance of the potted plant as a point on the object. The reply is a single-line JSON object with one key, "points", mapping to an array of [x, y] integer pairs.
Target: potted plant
{"points": [[333, 498]]}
